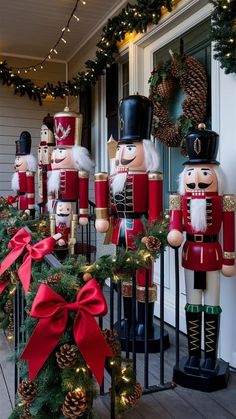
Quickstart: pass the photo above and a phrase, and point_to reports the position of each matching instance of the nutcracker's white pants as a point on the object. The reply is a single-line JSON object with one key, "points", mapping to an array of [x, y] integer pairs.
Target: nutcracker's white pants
{"points": [[210, 296]]}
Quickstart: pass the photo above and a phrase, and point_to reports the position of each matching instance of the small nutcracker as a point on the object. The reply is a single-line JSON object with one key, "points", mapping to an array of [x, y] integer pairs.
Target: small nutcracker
{"points": [[23, 178], [202, 209], [46, 146], [132, 191]]}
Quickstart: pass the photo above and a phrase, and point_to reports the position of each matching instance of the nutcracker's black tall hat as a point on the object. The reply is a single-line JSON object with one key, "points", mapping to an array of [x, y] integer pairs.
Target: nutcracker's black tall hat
{"points": [[135, 118], [202, 146], [23, 145]]}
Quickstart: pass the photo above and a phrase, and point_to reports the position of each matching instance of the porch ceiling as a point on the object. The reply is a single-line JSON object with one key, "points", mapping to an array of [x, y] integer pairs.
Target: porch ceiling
{"points": [[30, 28]]}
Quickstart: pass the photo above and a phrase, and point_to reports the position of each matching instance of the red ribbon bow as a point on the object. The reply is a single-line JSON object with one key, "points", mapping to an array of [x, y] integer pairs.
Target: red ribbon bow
{"points": [[52, 311], [12, 199], [18, 244]]}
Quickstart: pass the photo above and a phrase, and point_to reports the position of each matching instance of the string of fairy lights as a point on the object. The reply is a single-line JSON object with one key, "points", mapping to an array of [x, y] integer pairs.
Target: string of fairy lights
{"points": [[60, 40]]}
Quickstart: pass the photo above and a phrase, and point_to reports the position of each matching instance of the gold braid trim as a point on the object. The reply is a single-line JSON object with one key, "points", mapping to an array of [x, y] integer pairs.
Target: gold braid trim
{"points": [[229, 255], [175, 202], [101, 176], [102, 213], [155, 176], [229, 203]]}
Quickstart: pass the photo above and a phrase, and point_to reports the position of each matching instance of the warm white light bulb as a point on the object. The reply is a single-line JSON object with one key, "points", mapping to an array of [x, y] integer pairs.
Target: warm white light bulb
{"points": [[63, 40]]}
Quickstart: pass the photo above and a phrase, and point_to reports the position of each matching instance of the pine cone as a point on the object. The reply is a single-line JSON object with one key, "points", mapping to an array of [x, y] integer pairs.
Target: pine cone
{"points": [[165, 88], [67, 356], [153, 244], [26, 412], [54, 279], [133, 398], [112, 340], [27, 390], [11, 231], [9, 306], [4, 213], [75, 404]]}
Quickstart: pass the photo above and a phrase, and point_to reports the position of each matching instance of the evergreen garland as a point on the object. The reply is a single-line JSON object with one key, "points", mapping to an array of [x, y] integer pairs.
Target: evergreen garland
{"points": [[135, 17], [223, 33]]}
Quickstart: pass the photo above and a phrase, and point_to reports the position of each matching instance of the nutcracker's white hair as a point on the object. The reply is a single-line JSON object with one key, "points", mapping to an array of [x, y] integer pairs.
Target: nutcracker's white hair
{"points": [[31, 162], [220, 179], [151, 156], [82, 158]]}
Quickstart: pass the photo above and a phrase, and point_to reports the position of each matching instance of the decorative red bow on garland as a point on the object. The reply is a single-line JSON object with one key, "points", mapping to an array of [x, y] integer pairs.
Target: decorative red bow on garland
{"points": [[12, 199], [18, 244], [52, 311]]}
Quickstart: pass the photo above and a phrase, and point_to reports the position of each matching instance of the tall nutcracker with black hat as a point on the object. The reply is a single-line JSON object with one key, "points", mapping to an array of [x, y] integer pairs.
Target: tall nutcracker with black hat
{"points": [[132, 191], [23, 178], [202, 210], [46, 146], [68, 181]]}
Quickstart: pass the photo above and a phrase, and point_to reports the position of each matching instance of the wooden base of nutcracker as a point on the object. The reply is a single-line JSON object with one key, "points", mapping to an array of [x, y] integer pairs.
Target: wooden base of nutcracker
{"points": [[200, 379], [153, 341]]}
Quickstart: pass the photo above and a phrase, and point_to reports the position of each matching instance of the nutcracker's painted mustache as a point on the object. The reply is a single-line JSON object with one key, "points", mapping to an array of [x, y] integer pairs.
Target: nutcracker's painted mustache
{"points": [[200, 185], [18, 165], [124, 161], [58, 160], [61, 214]]}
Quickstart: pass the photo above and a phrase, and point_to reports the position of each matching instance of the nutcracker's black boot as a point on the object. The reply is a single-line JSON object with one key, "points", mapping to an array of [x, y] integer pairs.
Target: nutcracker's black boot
{"points": [[211, 335], [141, 320], [194, 326]]}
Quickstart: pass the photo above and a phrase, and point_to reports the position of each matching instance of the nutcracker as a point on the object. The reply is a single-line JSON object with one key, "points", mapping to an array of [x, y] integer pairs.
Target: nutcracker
{"points": [[201, 209], [132, 191], [23, 178], [68, 180], [46, 146]]}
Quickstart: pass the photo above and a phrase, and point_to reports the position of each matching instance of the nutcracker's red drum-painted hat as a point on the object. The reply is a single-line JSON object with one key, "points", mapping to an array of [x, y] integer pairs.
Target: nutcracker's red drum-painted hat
{"points": [[135, 118], [67, 128], [23, 144], [202, 146]]}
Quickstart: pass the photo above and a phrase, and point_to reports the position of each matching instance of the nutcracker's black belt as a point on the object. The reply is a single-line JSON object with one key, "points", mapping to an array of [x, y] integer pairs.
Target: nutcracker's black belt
{"points": [[21, 193], [201, 238], [130, 215]]}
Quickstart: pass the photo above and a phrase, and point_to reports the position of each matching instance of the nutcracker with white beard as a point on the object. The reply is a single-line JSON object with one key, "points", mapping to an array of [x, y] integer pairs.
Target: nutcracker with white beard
{"points": [[68, 180], [132, 191], [23, 179], [46, 146], [202, 210]]}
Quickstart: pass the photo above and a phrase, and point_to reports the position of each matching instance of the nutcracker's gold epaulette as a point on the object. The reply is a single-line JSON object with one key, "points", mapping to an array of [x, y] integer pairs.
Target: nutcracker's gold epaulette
{"points": [[101, 176], [155, 176], [83, 174], [175, 202], [229, 203]]}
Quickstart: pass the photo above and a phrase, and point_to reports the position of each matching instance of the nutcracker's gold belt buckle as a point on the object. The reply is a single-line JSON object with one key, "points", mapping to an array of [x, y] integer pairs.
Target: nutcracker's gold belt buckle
{"points": [[198, 238]]}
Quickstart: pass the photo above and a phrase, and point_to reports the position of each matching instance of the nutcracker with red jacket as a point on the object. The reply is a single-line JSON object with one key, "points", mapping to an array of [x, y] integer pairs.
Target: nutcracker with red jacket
{"points": [[133, 190], [23, 178], [201, 209], [46, 146], [68, 180]]}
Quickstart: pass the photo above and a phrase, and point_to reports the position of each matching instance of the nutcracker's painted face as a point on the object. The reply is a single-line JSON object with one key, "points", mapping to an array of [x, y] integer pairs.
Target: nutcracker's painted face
{"points": [[46, 135], [130, 156], [62, 158], [200, 178], [21, 164], [64, 209]]}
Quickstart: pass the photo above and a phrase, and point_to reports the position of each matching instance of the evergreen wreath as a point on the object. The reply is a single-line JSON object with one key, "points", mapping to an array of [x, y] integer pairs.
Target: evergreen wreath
{"points": [[223, 33], [187, 73]]}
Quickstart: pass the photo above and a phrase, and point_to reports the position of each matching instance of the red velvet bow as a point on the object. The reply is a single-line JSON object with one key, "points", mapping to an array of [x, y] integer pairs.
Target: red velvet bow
{"points": [[12, 199], [18, 244], [52, 311]]}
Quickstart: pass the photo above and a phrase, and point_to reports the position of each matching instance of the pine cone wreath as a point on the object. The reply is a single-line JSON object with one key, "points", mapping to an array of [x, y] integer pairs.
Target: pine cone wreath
{"points": [[153, 244], [75, 404], [112, 340], [54, 279], [133, 398], [67, 356], [27, 390]]}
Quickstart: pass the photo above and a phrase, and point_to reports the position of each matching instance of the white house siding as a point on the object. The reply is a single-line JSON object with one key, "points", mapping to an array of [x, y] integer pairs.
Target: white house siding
{"points": [[18, 114]]}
